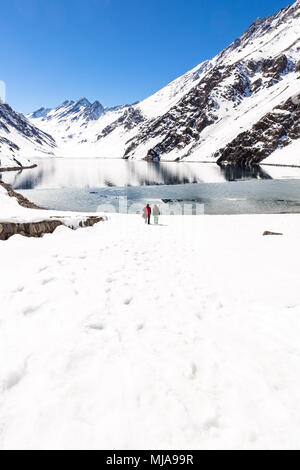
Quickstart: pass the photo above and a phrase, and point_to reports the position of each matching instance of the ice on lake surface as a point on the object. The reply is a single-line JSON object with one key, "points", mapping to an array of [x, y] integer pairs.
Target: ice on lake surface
{"points": [[100, 184]]}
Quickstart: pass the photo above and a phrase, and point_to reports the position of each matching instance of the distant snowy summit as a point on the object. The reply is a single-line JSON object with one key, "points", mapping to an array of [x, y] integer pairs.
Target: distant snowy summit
{"points": [[241, 106], [74, 110]]}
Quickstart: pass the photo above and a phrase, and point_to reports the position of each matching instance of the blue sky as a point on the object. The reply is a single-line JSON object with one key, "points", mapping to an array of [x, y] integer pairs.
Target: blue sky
{"points": [[116, 51]]}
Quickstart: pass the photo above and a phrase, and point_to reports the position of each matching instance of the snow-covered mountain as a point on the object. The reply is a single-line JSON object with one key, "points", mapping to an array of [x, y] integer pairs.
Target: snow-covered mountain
{"points": [[70, 111], [243, 105], [232, 98], [19, 138], [75, 125]]}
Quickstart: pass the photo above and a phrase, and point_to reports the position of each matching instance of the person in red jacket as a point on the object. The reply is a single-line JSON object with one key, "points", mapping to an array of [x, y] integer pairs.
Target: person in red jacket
{"points": [[147, 214]]}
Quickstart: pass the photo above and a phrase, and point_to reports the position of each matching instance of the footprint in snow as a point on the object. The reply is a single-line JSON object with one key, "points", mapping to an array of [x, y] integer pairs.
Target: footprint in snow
{"points": [[13, 378], [96, 326], [31, 309], [47, 280], [211, 423], [43, 268], [18, 289], [194, 370]]}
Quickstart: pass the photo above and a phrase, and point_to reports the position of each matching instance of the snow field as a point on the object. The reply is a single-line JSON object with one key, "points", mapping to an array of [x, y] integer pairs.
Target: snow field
{"points": [[183, 335]]}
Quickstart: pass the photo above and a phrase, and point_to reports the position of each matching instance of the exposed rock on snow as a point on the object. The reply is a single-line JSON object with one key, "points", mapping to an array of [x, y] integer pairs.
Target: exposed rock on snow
{"points": [[37, 229], [14, 162], [30, 229], [129, 119], [271, 233]]}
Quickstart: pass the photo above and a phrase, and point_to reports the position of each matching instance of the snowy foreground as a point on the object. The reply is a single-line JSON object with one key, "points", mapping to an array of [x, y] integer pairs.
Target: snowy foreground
{"points": [[183, 335]]}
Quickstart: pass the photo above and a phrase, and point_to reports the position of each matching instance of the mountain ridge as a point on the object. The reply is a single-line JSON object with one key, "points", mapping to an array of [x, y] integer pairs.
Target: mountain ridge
{"points": [[203, 115]]}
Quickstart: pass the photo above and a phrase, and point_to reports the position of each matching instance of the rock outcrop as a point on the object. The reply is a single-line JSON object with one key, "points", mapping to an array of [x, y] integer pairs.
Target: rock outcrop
{"points": [[37, 229], [274, 131], [29, 229], [22, 201]]}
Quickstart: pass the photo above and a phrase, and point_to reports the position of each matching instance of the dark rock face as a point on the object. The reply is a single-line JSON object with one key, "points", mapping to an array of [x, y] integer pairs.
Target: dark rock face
{"points": [[91, 221], [271, 233], [184, 122], [129, 119], [37, 229], [275, 130]]}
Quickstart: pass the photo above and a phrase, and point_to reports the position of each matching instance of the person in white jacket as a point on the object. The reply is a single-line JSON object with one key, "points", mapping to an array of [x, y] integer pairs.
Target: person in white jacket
{"points": [[155, 213]]}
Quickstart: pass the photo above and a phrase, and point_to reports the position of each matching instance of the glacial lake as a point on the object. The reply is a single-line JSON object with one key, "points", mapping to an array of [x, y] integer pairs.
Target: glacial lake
{"points": [[120, 185]]}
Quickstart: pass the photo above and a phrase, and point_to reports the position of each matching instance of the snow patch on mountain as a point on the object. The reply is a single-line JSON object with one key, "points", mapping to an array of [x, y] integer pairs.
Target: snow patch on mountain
{"points": [[290, 155]]}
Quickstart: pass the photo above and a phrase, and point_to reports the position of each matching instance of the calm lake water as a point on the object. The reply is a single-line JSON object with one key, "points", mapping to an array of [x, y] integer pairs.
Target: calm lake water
{"points": [[103, 184]]}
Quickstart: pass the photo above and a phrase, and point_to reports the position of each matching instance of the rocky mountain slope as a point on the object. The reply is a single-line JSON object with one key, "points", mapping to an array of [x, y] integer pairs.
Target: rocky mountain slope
{"points": [[240, 106], [19, 138], [276, 130], [254, 77]]}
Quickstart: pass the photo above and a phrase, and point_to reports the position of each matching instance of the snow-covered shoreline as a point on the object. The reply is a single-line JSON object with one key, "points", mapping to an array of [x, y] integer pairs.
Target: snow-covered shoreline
{"points": [[19, 215], [14, 163], [178, 336], [15, 168]]}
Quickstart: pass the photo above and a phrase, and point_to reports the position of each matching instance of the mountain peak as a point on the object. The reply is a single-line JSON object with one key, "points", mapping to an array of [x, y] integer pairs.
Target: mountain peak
{"points": [[83, 102], [82, 108], [41, 112]]}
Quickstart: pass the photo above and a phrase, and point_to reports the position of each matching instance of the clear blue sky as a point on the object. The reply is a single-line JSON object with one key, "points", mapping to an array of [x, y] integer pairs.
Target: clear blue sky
{"points": [[116, 51]]}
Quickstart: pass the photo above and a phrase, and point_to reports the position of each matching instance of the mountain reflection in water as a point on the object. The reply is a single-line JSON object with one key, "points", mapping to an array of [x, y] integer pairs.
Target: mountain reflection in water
{"points": [[87, 184], [54, 173]]}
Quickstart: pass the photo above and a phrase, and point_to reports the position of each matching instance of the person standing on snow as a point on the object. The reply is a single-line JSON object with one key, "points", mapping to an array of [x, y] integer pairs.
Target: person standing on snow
{"points": [[147, 214], [156, 214]]}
